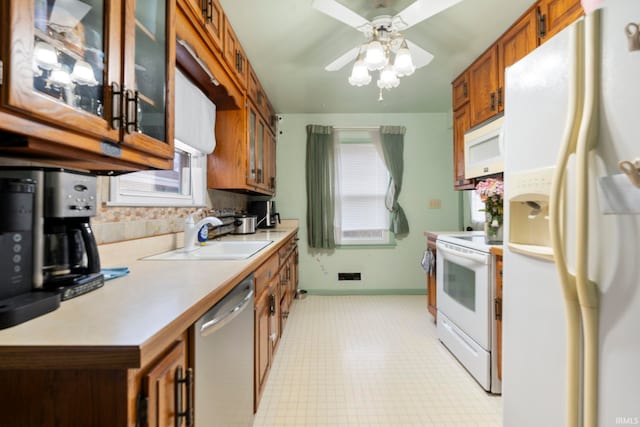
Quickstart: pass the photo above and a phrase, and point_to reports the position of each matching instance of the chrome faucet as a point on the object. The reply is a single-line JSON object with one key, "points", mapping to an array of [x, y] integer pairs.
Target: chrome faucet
{"points": [[191, 230]]}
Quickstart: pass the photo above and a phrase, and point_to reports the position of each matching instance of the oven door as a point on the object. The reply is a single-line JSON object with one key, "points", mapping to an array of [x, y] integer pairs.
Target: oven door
{"points": [[463, 291]]}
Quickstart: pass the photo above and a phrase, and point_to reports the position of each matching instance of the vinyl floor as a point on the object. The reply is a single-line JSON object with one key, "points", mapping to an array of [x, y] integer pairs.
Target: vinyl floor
{"points": [[369, 361]]}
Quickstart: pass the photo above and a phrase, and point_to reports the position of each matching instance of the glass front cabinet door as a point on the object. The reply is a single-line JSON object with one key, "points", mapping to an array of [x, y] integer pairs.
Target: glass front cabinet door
{"points": [[79, 65], [149, 58]]}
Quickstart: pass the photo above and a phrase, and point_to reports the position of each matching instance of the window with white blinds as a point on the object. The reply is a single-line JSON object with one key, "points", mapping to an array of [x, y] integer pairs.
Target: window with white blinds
{"points": [[362, 179]]}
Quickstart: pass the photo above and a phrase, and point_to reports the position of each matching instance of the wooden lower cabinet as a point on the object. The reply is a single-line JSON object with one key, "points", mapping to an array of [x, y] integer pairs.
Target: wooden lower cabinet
{"points": [[97, 397], [168, 390], [275, 279]]}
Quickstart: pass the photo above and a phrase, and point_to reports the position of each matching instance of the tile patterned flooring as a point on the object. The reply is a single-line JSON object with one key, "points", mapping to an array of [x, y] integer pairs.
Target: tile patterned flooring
{"points": [[369, 361]]}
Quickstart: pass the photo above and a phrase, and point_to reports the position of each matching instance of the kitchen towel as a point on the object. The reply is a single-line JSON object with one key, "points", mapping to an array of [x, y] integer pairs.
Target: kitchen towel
{"points": [[112, 273]]}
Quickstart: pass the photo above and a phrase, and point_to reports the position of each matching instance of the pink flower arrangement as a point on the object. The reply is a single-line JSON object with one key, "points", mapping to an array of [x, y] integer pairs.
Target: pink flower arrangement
{"points": [[491, 191]]}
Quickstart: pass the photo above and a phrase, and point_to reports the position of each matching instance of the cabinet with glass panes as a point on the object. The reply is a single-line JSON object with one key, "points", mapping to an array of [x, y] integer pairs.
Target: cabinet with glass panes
{"points": [[100, 68]]}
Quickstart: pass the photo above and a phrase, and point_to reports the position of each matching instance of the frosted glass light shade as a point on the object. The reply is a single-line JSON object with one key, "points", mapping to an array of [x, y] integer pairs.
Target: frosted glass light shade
{"points": [[45, 55], [375, 57], [83, 74], [360, 74], [388, 78], [60, 77], [403, 64]]}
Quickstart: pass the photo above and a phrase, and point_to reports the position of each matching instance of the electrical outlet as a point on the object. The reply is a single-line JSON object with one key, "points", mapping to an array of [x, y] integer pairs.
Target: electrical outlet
{"points": [[435, 203]]}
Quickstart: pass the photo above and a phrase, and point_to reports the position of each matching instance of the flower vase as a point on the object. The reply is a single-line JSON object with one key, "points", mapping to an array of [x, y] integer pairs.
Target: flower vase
{"points": [[492, 235]]}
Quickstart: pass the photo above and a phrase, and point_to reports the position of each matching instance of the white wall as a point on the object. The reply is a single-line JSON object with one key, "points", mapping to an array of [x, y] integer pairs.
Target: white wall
{"points": [[428, 174]]}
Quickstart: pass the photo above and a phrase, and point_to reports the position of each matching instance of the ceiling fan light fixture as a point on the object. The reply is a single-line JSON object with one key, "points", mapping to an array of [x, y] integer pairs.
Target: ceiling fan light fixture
{"points": [[403, 64], [388, 78], [360, 74], [374, 56]]}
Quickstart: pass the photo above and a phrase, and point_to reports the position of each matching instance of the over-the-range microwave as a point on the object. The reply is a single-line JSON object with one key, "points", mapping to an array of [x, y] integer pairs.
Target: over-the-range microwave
{"points": [[483, 150]]}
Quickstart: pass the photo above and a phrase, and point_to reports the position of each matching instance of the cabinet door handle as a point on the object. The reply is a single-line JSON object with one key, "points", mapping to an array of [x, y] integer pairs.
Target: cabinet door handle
{"points": [[497, 305], [499, 97], [132, 101], [492, 101], [542, 25], [117, 110], [272, 304], [187, 414], [465, 89]]}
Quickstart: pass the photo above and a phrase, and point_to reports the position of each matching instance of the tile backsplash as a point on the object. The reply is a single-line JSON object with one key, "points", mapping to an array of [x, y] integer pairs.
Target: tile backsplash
{"points": [[118, 223]]}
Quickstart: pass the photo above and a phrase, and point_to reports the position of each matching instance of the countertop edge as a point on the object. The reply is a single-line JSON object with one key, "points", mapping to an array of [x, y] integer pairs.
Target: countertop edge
{"points": [[135, 355]]}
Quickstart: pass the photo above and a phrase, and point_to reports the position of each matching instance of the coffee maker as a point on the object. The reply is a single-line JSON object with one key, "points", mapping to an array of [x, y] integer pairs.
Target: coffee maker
{"points": [[70, 263], [18, 302], [65, 253], [265, 210]]}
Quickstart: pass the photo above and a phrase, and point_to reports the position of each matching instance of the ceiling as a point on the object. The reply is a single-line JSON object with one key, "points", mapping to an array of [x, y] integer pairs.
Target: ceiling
{"points": [[289, 43]]}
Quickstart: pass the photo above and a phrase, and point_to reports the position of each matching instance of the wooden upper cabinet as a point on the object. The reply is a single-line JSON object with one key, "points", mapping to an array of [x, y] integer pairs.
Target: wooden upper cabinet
{"points": [[515, 44], [64, 78], [460, 88], [109, 78], [210, 16], [149, 67], [461, 123], [483, 86], [234, 54], [555, 15]]}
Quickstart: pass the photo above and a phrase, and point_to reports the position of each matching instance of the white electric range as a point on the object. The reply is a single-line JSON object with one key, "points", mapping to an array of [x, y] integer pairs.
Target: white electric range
{"points": [[465, 275]]}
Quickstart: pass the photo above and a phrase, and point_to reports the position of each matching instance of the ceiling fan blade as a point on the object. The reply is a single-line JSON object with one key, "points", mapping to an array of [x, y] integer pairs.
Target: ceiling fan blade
{"points": [[342, 14], [419, 56], [343, 60], [421, 10]]}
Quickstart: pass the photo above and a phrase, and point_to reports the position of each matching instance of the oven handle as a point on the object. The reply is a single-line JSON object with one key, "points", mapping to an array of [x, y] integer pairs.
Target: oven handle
{"points": [[483, 259]]}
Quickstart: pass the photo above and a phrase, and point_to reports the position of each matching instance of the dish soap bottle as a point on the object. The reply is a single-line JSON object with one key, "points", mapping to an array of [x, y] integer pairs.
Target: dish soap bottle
{"points": [[203, 235]]}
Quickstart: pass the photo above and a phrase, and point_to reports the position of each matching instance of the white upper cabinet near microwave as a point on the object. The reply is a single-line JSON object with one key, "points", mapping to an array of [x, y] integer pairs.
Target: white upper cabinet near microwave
{"points": [[483, 150]]}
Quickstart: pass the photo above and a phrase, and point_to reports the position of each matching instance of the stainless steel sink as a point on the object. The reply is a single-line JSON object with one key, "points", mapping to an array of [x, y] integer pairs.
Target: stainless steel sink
{"points": [[216, 250]]}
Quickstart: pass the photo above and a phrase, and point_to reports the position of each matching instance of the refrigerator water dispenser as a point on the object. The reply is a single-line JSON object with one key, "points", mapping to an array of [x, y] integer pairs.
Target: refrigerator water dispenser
{"points": [[528, 193]]}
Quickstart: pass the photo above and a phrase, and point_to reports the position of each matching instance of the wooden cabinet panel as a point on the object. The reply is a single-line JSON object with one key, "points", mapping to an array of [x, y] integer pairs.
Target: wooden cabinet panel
{"points": [[461, 123], [161, 386], [460, 88], [234, 54], [555, 15], [515, 44], [483, 86], [262, 345]]}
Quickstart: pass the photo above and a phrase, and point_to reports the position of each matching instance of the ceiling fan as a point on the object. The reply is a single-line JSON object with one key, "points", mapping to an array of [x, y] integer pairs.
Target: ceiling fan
{"points": [[384, 40]]}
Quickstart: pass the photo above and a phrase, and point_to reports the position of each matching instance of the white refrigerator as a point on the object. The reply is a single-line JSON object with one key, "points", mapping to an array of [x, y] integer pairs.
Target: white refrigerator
{"points": [[575, 98]]}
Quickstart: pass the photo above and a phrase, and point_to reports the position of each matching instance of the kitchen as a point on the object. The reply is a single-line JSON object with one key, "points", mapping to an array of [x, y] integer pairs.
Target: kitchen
{"points": [[427, 195]]}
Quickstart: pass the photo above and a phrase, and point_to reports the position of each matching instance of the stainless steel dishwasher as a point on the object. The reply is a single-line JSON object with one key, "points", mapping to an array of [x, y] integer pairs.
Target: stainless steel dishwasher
{"points": [[224, 360]]}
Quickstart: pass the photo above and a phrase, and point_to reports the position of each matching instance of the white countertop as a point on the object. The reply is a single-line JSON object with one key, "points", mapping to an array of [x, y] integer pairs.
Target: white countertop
{"points": [[132, 311]]}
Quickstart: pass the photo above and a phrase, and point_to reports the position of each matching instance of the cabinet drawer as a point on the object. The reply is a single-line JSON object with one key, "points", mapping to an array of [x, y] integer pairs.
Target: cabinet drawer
{"points": [[265, 273]]}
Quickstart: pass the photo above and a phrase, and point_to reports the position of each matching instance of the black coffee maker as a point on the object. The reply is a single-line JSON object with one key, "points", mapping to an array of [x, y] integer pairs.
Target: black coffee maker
{"points": [[65, 253], [18, 301]]}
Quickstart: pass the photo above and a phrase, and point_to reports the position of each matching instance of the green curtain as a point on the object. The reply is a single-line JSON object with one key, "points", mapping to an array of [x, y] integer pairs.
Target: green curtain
{"points": [[392, 141], [320, 167]]}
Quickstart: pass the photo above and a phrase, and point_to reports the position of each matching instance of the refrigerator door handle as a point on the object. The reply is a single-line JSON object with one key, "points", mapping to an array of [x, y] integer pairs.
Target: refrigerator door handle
{"points": [[556, 202], [586, 289]]}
